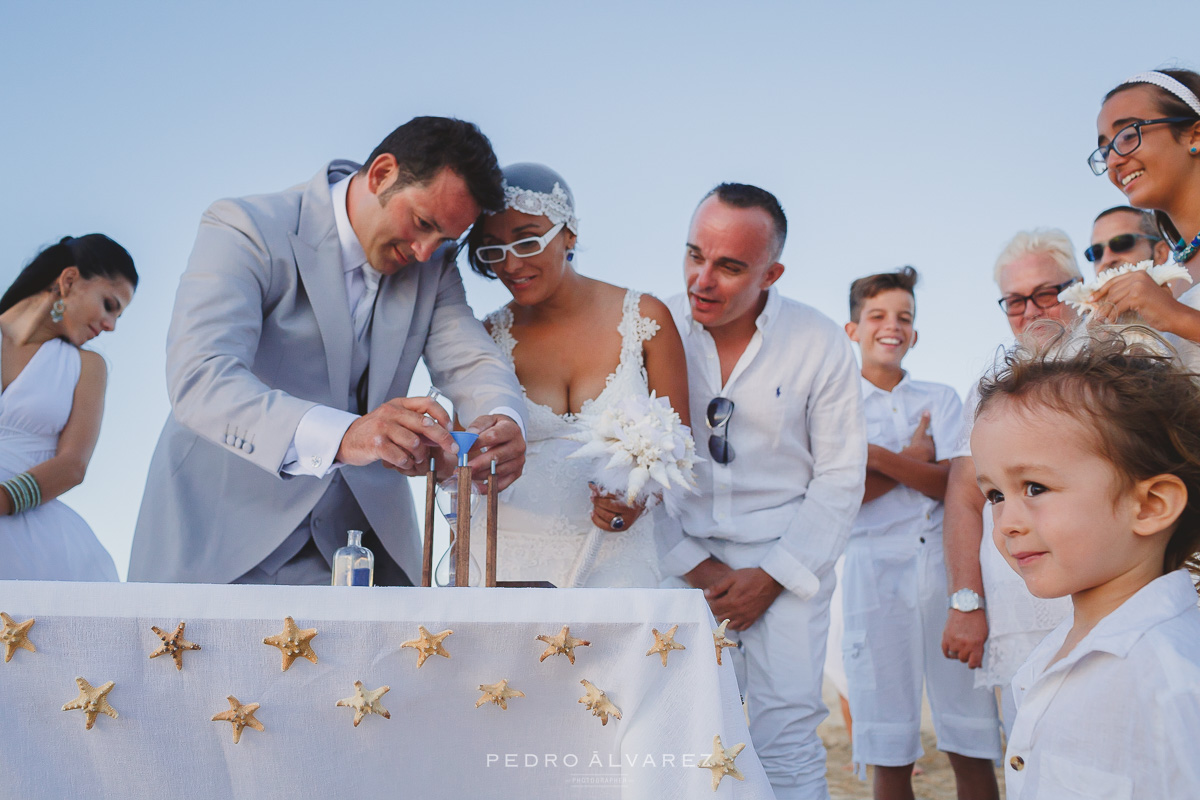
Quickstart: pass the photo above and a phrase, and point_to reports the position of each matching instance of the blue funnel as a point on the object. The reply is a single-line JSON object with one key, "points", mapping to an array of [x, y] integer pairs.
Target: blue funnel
{"points": [[464, 440]]}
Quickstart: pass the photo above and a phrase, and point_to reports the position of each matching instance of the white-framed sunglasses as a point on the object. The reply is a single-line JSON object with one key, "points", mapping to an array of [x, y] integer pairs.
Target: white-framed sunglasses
{"points": [[494, 253]]}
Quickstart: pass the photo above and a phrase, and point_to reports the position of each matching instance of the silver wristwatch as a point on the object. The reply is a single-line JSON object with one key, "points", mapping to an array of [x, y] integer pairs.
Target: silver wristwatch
{"points": [[966, 600]]}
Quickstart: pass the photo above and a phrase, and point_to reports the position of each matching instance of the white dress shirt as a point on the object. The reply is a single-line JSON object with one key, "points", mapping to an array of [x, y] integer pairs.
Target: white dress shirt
{"points": [[797, 430], [319, 432], [1119, 716], [892, 418]]}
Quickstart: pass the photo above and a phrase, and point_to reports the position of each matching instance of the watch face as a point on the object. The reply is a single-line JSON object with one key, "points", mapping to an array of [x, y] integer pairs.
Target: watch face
{"points": [[965, 600]]}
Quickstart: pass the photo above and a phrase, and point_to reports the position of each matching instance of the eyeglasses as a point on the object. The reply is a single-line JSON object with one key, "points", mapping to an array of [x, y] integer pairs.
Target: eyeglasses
{"points": [[494, 253], [1125, 142], [720, 411], [1045, 297], [1121, 243]]}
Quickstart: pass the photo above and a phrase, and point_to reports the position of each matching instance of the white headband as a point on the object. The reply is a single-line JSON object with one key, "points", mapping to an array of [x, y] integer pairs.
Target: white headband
{"points": [[1164, 81], [555, 205]]}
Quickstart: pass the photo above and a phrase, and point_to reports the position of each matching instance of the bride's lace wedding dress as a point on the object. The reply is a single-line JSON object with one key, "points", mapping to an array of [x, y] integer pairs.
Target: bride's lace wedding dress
{"points": [[545, 527]]}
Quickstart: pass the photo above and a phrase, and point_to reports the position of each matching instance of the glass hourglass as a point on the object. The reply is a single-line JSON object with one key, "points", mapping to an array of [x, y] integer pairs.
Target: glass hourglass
{"points": [[447, 503]]}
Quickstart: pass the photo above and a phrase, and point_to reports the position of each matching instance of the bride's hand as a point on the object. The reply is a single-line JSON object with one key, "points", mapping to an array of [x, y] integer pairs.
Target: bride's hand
{"points": [[610, 514]]}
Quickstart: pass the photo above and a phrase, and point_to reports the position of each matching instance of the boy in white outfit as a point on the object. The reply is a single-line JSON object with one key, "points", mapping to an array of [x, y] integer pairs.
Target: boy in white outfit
{"points": [[895, 579]]}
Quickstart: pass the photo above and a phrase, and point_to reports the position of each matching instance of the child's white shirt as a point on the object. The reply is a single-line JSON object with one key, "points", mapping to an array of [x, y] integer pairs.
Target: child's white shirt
{"points": [[892, 417], [1119, 716]]}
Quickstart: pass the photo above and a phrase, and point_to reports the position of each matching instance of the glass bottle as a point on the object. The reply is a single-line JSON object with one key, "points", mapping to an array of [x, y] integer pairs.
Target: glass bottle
{"points": [[353, 565]]}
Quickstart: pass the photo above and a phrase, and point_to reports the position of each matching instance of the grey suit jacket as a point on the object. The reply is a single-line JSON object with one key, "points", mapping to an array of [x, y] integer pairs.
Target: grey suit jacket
{"points": [[261, 332]]}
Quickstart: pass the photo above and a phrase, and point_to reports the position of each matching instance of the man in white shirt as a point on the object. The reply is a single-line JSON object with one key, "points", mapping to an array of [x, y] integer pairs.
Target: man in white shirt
{"points": [[778, 385], [296, 329]]}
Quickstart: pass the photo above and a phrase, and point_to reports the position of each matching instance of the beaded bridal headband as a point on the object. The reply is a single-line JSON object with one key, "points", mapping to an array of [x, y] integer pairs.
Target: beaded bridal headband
{"points": [[1167, 83], [538, 190]]}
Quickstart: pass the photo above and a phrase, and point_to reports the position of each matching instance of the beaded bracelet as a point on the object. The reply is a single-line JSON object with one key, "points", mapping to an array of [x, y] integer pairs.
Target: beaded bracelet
{"points": [[24, 491]]}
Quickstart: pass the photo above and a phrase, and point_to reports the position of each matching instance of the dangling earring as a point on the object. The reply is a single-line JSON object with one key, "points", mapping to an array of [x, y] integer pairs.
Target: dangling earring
{"points": [[570, 255], [56, 311]]}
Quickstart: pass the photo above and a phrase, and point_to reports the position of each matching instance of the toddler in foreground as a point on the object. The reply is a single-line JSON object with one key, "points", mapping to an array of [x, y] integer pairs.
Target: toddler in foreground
{"points": [[1089, 452]]}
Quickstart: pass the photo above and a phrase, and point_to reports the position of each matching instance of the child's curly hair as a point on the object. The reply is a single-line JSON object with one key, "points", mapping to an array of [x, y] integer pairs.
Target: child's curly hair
{"points": [[1126, 385]]}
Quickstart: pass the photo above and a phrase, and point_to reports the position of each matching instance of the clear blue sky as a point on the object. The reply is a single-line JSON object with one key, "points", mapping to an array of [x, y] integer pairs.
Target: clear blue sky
{"points": [[893, 133]]}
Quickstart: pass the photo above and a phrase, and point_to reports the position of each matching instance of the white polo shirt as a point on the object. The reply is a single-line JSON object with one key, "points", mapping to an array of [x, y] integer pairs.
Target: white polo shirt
{"points": [[892, 417], [1118, 717]]}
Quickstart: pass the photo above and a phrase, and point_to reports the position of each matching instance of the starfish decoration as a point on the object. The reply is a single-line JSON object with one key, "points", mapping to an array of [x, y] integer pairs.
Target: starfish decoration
{"points": [[15, 634], [721, 762], [93, 700], [562, 644], [598, 703], [173, 644], [293, 643], [665, 643], [428, 644], [720, 642], [497, 694], [241, 716], [366, 701]]}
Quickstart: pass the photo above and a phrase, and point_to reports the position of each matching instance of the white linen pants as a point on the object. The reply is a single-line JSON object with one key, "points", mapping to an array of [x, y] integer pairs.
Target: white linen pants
{"points": [[894, 597]]}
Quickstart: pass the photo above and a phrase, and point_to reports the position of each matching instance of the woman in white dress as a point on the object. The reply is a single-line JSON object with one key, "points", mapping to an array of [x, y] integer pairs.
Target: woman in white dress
{"points": [[578, 345], [51, 402]]}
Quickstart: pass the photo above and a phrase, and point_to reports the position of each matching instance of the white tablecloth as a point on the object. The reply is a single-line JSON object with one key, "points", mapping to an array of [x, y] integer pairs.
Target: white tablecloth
{"points": [[436, 744]]}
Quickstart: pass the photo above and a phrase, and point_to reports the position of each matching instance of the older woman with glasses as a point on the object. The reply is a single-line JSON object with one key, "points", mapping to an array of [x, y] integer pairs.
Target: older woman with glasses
{"points": [[578, 345], [1148, 133], [994, 622]]}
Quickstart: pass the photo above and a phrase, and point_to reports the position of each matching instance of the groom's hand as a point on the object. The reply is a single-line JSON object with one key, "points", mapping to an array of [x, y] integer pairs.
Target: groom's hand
{"points": [[401, 433], [500, 440]]}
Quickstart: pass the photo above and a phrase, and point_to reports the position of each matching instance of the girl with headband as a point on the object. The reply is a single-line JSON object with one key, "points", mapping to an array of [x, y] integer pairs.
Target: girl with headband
{"points": [[1148, 134]]}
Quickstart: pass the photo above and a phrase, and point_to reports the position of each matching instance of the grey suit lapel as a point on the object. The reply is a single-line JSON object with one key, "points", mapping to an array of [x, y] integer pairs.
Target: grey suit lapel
{"points": [[389, 330], [319, 261]]}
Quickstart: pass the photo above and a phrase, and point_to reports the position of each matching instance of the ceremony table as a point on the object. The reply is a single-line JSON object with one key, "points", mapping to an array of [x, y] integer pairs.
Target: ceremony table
{"points": [[437, 742]]}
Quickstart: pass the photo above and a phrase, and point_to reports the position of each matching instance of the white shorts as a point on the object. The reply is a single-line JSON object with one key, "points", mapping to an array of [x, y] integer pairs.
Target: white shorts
{"points": [[895, 607]]}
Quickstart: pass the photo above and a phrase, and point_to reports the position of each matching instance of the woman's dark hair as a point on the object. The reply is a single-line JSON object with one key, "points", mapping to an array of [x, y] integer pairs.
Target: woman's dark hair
{"points": [[94, 255], [424, 146]]}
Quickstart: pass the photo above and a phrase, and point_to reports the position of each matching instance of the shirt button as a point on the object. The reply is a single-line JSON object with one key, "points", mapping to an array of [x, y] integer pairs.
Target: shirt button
{"points": [[922, 540], [928, 515], [1017, 763], [316, 462]]}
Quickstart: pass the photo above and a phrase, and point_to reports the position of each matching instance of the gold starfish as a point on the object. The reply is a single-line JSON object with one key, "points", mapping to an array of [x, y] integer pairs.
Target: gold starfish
{"points": [[92, 700], [497, 694], [721, 762], [14, 635], [428, 644], [562, 644], [598, 703], [665, 643], [720, 642], [241, 716], [293, 643], [366, 701], [173, 644]]}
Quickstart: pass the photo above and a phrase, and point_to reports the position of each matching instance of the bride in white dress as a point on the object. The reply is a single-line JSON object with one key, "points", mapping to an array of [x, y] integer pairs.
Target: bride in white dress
{"points": [[51, 402], [578, 345]]}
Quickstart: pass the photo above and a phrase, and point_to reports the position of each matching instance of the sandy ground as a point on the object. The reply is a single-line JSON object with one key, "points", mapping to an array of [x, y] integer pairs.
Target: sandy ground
{"points": [[936, 784]]}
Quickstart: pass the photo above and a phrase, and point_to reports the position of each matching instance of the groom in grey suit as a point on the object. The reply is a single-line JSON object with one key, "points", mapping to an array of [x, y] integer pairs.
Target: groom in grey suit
{"points": [[297, 325]]}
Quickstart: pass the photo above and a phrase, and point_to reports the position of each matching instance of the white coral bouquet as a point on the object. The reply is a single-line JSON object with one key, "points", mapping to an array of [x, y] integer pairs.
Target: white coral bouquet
{"points": [[1077, 294], [641, 447]]}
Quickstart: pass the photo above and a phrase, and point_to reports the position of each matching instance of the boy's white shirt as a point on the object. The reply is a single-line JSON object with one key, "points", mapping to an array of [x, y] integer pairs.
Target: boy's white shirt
{"points": [[1119, 716], [891, 418]]}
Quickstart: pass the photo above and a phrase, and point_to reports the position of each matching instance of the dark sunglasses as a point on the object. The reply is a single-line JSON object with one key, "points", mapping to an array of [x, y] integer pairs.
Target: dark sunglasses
{"points": [[720, 411], [1120, 243]]}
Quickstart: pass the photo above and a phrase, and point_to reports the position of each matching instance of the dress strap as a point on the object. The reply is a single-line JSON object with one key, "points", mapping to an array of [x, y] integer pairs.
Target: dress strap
{"points": [[501, 321], [635, 329]]}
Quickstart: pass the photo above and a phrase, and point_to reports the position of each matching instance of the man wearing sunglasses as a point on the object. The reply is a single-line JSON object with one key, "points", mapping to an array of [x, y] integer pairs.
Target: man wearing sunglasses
{"points": [[1126, 235], [777, 384]]}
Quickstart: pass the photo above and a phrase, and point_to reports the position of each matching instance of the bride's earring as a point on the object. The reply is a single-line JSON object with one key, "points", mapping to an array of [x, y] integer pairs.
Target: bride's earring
{"points": [[56, 311], [570, 255]]}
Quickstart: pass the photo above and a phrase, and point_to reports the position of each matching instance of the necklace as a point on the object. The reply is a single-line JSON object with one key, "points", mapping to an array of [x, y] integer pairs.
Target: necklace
{"points": [[1188, 251]]}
